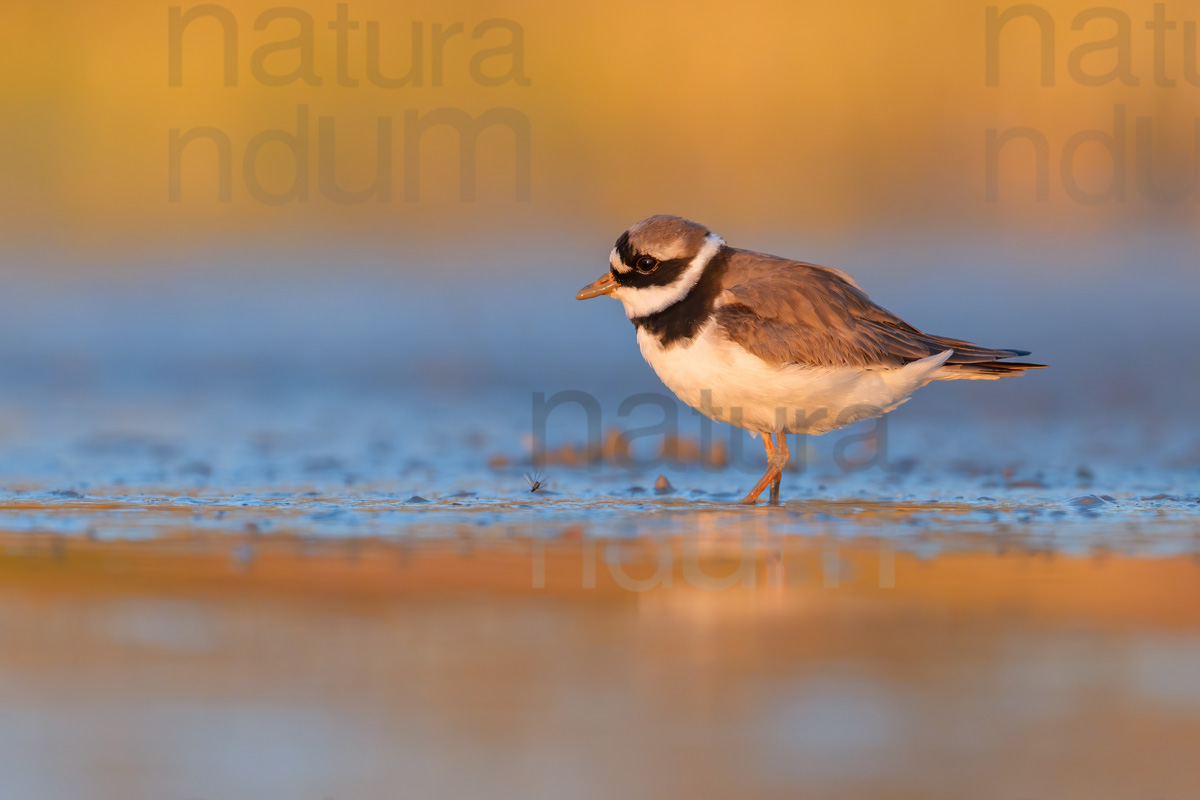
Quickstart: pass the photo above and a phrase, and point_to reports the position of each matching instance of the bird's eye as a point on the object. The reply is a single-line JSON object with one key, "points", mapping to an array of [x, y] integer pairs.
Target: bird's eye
{"points": [[646, 264]]}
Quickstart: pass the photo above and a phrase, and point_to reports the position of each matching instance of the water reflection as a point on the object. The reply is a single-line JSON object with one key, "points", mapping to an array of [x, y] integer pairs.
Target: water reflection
{"points": [[833, 667]]}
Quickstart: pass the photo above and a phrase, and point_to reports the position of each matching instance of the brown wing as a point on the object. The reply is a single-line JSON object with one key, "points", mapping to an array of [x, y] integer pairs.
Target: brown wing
{"points": [[790, 312]]}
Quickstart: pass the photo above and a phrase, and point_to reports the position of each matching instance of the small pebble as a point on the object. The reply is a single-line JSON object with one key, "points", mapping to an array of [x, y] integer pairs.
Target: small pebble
{"points": [[663, 486], [416, 498], [1087, 500]]}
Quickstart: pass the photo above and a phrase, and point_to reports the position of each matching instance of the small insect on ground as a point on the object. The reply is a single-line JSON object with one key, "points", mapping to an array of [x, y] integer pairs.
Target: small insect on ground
{"points": [[536, 481]]}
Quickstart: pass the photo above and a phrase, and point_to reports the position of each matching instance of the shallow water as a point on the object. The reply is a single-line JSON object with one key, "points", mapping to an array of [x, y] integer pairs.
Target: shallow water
{"points": [[277, 543], [269, 666]]}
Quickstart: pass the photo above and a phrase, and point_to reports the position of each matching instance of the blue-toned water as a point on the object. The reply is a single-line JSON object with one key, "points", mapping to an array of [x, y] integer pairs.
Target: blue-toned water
{"points": [[335, 397]]}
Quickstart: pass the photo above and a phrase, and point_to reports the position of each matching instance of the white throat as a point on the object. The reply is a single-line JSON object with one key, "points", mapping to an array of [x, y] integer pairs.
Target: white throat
{"points": [[647, 300]]}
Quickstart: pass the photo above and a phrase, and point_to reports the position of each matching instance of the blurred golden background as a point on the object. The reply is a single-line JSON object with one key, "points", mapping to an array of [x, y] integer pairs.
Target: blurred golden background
{"points": [[777, 116]]}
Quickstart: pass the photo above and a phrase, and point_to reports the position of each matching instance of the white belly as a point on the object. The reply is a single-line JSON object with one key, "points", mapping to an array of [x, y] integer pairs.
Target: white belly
{"points": [[729, 384]]}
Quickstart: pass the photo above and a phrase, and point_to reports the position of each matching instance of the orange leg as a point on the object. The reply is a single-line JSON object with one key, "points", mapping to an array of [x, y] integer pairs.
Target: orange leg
{"points": [[784, 455], [775, 464]]}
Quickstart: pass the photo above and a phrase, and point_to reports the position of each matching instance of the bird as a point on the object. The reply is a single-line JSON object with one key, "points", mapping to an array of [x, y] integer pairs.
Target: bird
{"points": [[773, 345]]}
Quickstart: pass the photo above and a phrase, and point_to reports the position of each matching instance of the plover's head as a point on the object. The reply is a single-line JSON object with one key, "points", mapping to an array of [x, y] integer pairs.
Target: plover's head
{"points": [[655, 264]]}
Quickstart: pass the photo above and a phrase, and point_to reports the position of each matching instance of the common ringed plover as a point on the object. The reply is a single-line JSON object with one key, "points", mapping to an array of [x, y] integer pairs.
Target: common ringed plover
{"points": [[772, 345]]}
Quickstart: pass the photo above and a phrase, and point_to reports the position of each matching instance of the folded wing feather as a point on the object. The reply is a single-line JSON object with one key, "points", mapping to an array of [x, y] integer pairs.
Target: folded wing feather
{"points": [[790, 312]]}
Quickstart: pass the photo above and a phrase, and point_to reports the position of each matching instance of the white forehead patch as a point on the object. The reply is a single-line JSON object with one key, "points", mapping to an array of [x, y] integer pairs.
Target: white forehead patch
{"points": [[647, 300], [614, 260]]}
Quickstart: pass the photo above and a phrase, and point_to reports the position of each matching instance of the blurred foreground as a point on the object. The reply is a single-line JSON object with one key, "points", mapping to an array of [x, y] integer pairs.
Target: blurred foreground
{"points": [[739, 663]]}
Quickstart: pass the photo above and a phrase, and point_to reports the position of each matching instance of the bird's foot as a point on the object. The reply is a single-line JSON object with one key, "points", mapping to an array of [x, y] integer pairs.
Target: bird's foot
{"points": [[775, 466]]}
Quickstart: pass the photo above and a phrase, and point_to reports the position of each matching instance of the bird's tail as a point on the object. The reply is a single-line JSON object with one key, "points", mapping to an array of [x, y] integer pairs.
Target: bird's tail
{"points": [[984, 370]]}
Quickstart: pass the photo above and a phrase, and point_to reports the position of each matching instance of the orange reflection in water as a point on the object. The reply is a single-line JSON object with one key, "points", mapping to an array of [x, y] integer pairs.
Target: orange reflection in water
{"points": [[278, 668]]}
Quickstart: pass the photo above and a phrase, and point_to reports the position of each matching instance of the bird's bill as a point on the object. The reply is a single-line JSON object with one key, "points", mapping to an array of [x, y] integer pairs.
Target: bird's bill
{"points": [[602, 285]]}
